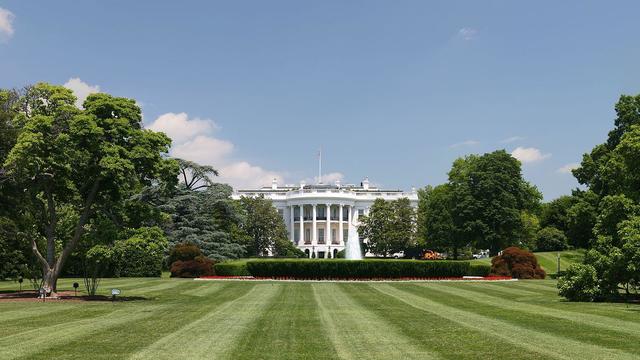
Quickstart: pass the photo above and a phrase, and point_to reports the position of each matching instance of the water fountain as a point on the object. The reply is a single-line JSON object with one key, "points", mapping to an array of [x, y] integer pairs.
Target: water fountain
{"points": [[353, 251]]}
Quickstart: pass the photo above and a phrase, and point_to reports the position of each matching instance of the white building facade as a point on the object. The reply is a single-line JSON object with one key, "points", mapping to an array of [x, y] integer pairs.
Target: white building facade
{"points": [[318, 217]]}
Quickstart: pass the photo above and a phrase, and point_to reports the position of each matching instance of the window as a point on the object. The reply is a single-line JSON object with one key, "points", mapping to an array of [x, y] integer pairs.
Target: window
{"points": [[360, 212], [334, 239], [321, 214], [296, 212], [320, 236], [296, 235], [345, 235], [307, 236]]}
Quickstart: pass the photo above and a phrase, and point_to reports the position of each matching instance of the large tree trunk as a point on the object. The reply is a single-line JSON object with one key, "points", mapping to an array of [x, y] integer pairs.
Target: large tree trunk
{"points": [[52, 268]]}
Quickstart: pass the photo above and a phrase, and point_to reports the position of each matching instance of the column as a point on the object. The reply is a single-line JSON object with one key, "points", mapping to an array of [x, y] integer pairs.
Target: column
{"points": [[292, 225], [301, 238], [328, 230], [350, 208], [340, 226], [314, 228]]}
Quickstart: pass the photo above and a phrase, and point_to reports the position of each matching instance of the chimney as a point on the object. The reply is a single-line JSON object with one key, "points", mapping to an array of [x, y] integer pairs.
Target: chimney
{"points": [[338, 183], [274, 184], [365, 184]]}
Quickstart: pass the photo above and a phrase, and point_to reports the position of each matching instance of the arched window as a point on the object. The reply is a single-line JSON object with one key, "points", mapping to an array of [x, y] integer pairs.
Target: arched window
{"points": [[306, 252], [335, 253]]}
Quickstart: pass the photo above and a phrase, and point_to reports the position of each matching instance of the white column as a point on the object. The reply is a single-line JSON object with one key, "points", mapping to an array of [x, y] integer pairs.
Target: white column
{"points": [[340, 228], [301, 238], [328, 236], [292, 225], [314, 228], [349, 225]]}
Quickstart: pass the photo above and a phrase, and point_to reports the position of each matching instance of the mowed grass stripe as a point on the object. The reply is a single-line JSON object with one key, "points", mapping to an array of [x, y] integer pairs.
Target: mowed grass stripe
{"points": [[508, 288], [602, 322], [442, 337], [609, 310], [290, 328], [214, 334], [124, 340], [30, 342], [354, 330], [551, 345], [205, 289], [36, 310], [531, 286]]}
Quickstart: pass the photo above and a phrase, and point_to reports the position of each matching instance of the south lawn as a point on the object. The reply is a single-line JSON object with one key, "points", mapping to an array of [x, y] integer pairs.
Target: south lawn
{"points": [[186, 319]]}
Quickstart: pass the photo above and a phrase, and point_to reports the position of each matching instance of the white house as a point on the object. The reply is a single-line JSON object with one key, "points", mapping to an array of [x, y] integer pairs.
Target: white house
{"points": [[318, 217]]}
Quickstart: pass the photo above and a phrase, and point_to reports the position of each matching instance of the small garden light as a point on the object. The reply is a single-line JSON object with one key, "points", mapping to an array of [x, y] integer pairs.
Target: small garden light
{"points": [[114, 292]]}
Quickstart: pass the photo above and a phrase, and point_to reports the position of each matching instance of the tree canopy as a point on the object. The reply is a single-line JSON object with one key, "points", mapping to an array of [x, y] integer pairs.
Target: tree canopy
{"points": [[80, 161]]}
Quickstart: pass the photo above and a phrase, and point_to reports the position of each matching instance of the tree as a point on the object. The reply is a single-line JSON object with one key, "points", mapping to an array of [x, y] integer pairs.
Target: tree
{"points": [[83, 160], [488, 197], [551, 239], [263, 225], [440, 231], [610, 171], [196, 176], [208, 218], [390, 226]]}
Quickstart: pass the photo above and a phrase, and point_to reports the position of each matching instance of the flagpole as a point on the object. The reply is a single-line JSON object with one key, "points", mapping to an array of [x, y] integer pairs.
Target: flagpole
{"points": [[320, 166]]}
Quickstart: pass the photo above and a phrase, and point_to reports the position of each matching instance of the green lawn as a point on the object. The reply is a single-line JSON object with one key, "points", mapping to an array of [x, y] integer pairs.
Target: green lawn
{"points": [[549, 261], [186, 319]]}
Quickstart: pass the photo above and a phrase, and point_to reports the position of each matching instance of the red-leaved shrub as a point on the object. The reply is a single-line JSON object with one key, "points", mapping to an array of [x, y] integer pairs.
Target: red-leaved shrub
{"points": [[517, 263], [200, 266]]}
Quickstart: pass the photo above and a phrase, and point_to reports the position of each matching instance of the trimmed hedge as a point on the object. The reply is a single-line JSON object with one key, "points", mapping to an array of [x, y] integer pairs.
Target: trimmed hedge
{"points": [[231, 268], [318, 269], [479, 269]]}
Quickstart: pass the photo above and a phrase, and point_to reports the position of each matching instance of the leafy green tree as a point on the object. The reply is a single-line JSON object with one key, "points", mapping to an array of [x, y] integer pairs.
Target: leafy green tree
{"points": [[556, 213], [581, 219], [528, 234], [390, 226], [440, 232], [86, 161], [610, 171], [263, 226], [488, 197], [551, 239]]}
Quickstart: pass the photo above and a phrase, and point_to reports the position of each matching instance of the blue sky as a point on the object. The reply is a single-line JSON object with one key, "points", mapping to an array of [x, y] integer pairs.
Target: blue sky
{"points": [[390, 90]]}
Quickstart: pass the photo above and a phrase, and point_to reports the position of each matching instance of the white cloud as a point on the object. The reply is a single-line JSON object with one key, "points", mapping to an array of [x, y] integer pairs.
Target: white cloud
{"points": [[182, 129], [464, 143], [468, 33], [195, 140], [6, 24], [511, 139], [566, 169], [529, 155], [81, 89]]}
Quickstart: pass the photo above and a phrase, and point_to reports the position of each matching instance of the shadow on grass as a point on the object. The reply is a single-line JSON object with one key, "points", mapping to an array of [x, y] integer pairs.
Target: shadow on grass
{"points": [[32, 295]]}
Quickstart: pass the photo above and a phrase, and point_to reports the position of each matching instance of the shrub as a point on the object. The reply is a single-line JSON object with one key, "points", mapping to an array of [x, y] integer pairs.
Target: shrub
{"points": [[331, 268], [579, 283], [141, 255], [341, 254], [232, 268], [184, 252], [199, 266], [479, 269], [551, 239], [517, 263]]}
